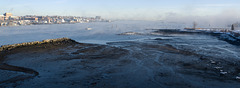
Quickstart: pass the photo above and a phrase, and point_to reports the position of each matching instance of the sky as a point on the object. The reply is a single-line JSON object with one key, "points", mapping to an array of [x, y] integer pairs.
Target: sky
{"points": [[178, 10]]}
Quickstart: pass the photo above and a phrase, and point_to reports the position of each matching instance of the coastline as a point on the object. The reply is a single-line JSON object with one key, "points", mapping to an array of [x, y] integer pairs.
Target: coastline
{"points": [[133, 64], [48, 41]]}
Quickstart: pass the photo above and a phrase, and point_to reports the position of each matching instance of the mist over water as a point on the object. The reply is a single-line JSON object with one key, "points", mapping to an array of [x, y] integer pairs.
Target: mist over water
{"points": [[101, 32], [148, 44], [122, 54]]}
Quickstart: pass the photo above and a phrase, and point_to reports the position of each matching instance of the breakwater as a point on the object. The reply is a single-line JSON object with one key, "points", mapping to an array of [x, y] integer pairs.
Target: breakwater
{"points": [[48, 41]]}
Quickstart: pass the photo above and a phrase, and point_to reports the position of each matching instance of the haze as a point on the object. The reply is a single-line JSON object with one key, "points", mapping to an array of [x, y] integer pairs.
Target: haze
{"points": [[216, 12]]}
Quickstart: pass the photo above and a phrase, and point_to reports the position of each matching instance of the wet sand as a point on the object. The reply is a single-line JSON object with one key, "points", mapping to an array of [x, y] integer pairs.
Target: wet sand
{"points": [[154, 63]]}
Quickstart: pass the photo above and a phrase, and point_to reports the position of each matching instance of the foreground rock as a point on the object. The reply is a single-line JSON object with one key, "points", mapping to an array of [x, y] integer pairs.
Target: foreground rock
{"points": [[36, 59], [48, 41], [157, 63], [6, 50]]}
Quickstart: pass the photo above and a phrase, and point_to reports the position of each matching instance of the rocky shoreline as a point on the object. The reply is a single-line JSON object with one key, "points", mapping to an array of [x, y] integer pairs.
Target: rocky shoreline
{"points": [[64, 62], [6, 50], [48, 41]]}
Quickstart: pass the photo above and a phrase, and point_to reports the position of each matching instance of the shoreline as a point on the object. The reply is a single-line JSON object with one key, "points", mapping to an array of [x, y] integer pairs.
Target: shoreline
{"points": [[68, 63], [5, 50], [47, 41]]}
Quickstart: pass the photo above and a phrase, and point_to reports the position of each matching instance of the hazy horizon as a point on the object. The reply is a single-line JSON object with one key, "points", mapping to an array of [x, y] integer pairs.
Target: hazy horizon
{"points": [[219, 12]]}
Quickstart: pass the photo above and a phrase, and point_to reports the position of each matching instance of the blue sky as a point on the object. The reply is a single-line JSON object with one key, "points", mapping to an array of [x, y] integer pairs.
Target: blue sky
{"points": [[120, 9]]}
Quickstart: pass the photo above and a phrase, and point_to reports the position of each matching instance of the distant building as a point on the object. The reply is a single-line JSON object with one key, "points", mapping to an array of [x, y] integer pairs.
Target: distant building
{"points": [[14, 18], [7, 15], [1, 18], [3, 23], [40, 18], [98, 17], [48, 19], [31, 18], [62, 20]]}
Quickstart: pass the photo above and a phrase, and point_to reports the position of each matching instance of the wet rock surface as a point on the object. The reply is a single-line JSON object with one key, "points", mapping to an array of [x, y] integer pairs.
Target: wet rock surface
{"points": [[189, 61], [230, 39]]}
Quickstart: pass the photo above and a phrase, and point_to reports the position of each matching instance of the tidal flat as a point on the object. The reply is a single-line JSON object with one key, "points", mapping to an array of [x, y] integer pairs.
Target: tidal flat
{"points": [[187, 60]]}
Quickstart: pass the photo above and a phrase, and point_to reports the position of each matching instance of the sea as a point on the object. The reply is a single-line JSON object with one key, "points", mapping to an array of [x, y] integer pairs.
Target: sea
{"points": [[100, 33]]}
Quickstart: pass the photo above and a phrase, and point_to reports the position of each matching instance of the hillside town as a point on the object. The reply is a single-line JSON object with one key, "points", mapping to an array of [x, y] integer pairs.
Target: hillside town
{"points": [[8, 19]]}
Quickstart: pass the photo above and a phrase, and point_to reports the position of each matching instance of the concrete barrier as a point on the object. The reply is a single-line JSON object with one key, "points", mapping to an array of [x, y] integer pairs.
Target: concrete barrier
{"points": [[59, 40]]}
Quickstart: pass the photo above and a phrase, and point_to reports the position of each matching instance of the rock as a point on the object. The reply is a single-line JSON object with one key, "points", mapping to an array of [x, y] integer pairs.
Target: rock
{"points": [[58, 41], [130, 33], [238, 78], [213, 62], [223, 73], [218, 67], [1, 49]]}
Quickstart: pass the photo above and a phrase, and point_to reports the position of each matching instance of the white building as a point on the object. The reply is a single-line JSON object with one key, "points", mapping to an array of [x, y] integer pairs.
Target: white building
{"points": [[1, 18], [14, 18], [63, 21]]}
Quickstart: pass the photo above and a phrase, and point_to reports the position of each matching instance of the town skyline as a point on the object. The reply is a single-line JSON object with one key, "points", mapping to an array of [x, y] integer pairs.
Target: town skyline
{"points": [[123, 9], [8, 19], [214, 12]]}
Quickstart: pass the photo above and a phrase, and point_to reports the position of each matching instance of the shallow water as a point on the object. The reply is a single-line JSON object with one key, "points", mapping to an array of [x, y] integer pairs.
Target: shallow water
{"points": [[104, 32], [101, 32], [145, 59]]}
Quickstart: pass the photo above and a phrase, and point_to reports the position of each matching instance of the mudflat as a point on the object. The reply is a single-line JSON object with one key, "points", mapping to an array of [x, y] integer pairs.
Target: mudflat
{"points": [[157, 63]]}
